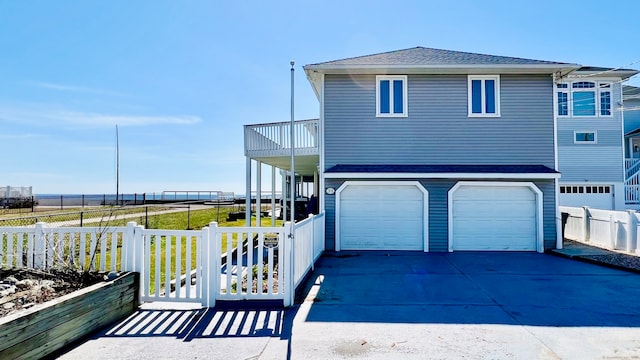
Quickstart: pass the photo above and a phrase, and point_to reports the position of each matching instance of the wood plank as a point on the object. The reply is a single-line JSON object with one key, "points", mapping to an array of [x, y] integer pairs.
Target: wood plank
{"points": [[61, 321], [20, 329], [58, 337]]}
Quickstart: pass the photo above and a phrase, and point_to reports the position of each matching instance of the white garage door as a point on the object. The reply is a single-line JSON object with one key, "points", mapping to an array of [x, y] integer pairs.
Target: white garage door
{"points": [[381, 216], [493, 218], [594, 196]]}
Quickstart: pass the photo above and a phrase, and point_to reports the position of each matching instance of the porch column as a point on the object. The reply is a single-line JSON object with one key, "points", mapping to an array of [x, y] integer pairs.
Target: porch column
{"points": [[258, 193], [273, 195], [283, 204], [247, 198], [315, 183]]}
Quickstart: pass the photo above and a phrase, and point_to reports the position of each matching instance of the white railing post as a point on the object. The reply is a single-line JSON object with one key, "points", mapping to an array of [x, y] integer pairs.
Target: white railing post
{"points": [[138, 244], [612, 232], [585, 224], [138, 264], [289, 266], [313, 241], [202, 267], [213, 263], [128, 247], [38, 246], [631, 231]]}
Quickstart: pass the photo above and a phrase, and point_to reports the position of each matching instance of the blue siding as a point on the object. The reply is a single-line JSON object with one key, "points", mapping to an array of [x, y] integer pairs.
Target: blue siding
{"points": [[438, 212], [601, 162], [438, 129]]}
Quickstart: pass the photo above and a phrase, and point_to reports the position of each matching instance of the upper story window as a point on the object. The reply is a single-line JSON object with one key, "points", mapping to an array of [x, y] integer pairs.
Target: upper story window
{"points": [[391, 96], [484, 96], [585, 137], [605, 99], [584, 98], [563, 99]]}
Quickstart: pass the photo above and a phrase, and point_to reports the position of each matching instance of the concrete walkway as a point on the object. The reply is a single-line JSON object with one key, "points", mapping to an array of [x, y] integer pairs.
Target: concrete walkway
{"points": [[389, 305]]}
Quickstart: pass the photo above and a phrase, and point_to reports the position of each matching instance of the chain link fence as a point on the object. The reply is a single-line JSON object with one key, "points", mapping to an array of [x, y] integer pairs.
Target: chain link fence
{"points": [[104, 216]]}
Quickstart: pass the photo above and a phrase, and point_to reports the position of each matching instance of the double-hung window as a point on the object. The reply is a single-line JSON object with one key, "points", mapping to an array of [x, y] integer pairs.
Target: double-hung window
{"points": [[584, 98], [563, 99], [391, 96], [605, 99], [484, 96]]}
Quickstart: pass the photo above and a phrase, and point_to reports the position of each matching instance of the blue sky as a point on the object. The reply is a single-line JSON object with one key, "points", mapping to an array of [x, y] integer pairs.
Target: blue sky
{"points": [[180, 78]]}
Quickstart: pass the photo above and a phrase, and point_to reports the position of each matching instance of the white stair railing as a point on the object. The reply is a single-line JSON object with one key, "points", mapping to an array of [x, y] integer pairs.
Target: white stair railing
{"points": [[631, 166], [632, 189]]}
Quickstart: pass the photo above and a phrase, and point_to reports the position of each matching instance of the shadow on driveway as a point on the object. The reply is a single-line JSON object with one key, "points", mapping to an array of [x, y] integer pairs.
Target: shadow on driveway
{"points": [[471, 288]]}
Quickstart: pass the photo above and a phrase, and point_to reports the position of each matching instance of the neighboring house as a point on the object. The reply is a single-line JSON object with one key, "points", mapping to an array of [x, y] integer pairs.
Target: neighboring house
{"points": [[590, 137], [434, 150], [631, 101]]}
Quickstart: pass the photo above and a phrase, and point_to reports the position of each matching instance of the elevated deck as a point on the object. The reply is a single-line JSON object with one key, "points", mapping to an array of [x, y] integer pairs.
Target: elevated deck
{"points": [[271, 144]]}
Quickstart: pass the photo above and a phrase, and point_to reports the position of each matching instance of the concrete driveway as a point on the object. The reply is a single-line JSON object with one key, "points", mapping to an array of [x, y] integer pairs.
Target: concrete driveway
{"points": [[392, 305], [467, 305]]}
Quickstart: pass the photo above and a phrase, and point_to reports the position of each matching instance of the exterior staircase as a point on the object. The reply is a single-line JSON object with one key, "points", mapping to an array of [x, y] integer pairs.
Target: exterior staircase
{"points": [[632, 181]]}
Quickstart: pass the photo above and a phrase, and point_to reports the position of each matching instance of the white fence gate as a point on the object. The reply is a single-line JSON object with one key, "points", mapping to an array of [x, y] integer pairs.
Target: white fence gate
{"points": [[215, 263]]}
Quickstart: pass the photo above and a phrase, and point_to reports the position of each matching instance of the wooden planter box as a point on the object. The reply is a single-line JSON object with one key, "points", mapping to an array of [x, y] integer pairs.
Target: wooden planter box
{"points": [[45, 328]]}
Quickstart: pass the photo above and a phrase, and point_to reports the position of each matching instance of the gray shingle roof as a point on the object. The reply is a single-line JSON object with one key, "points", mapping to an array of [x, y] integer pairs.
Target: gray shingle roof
{"points": [[628, 90], [428, 56]]}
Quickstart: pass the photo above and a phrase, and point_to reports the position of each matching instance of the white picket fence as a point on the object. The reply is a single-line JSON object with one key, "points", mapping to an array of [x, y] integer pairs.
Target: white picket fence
{"points": [[258, 263], [614, 230]]}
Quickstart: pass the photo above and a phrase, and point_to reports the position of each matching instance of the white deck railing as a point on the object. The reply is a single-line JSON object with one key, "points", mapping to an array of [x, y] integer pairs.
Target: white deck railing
{"points": [[258, 263], [274, 139], [631, 166], [614, 230]]}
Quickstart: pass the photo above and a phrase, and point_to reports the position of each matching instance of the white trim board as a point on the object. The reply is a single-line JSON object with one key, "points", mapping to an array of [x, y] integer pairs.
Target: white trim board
{"points": [[356, 175]]}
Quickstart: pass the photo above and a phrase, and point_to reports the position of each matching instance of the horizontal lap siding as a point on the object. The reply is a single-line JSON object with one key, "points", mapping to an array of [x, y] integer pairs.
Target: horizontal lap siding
{"points": [[585, 162], [600, 162], [438, 130], [438, 211]]}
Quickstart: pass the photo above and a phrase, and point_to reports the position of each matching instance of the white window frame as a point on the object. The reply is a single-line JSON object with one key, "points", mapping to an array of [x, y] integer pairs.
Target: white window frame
{"points": [[597, 90], [483, 78], [599, 101], [405, 102], [595, 137], [567, 92]]}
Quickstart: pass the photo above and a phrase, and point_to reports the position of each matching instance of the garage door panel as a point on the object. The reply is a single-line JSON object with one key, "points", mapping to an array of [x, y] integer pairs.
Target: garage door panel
{"points": [[490, 192], [494, 218], [371, 206], [491, 210], [379, 216], [389, 192]]}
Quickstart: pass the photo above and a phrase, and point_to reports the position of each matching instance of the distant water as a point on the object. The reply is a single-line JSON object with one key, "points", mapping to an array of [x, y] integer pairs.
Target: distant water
{"points": [[101, 199]]}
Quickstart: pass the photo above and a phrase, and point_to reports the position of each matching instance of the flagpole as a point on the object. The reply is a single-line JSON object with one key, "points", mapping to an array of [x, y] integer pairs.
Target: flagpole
{"points": [[293, 160], [117, 165]]}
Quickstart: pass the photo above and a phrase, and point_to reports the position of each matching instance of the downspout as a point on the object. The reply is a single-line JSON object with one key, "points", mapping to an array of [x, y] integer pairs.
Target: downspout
{"points": [[556, 181]]}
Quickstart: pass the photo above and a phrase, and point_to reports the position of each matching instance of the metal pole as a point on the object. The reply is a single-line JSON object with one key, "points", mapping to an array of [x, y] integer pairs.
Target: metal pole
{"points": [[188, 216], [293, 159]]}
